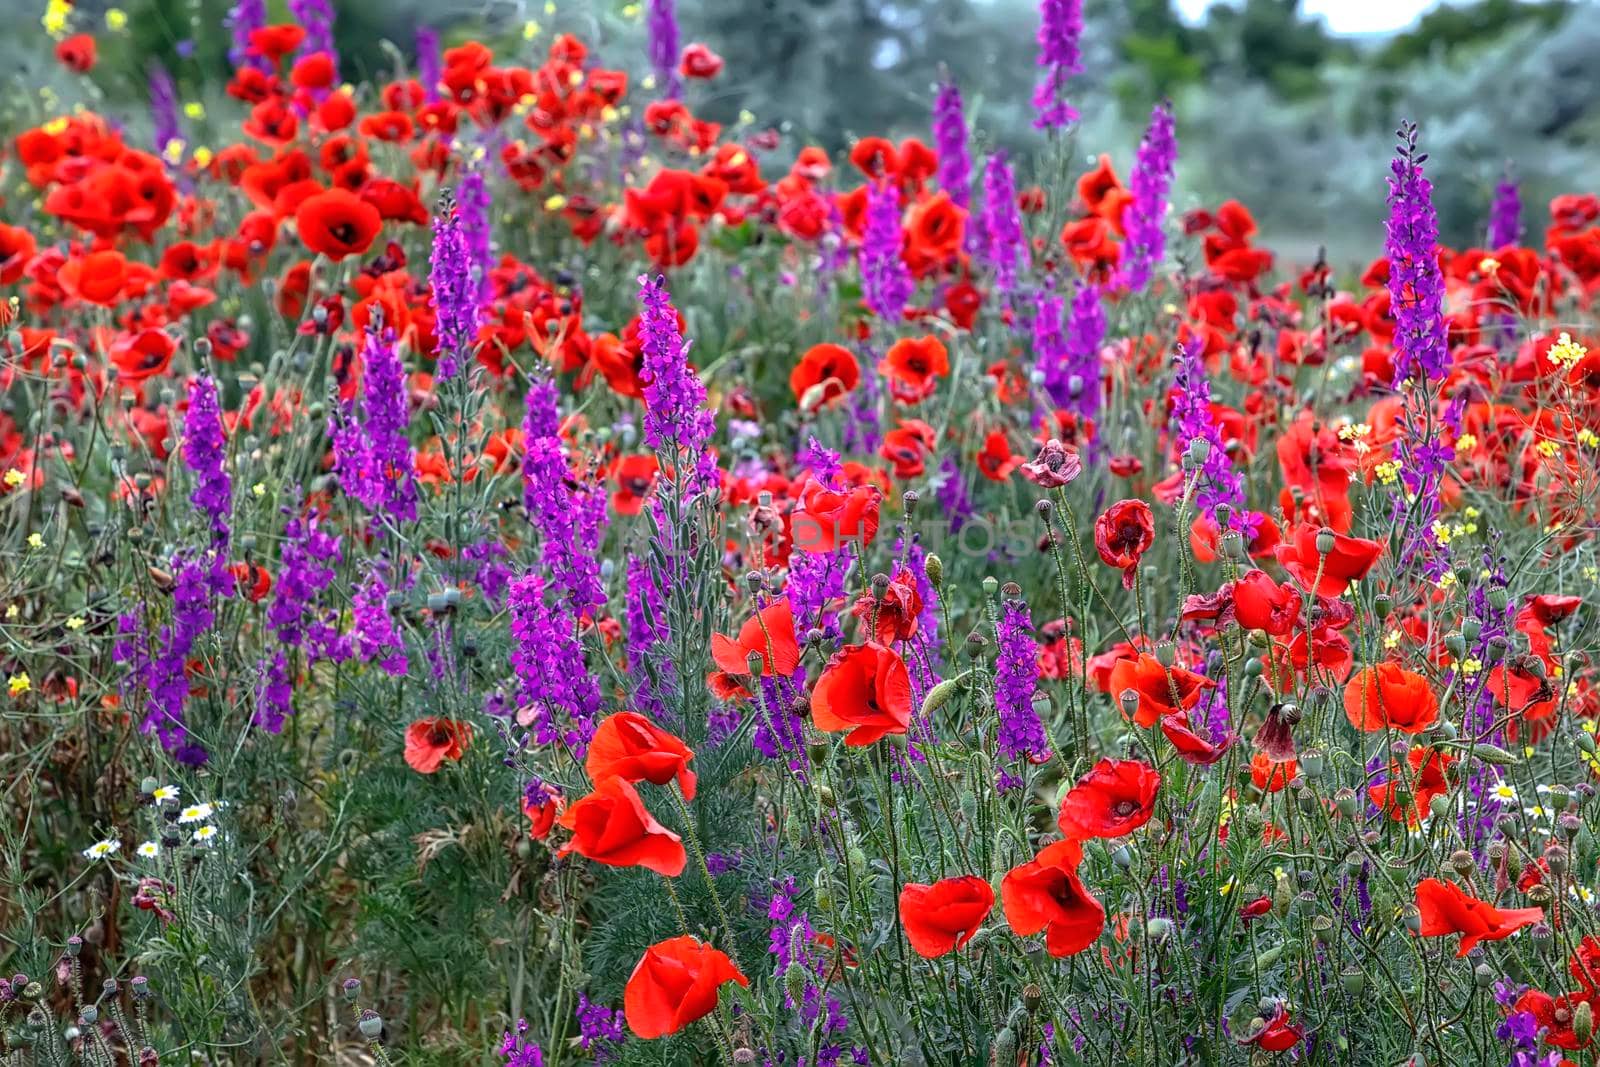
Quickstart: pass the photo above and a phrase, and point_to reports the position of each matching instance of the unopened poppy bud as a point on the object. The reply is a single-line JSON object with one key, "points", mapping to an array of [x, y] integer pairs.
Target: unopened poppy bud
{"points": [[975, 644], [1438, 805], [794, 981], [1412, 918], [1158, 929], [1445, 730], [934, 567], [1345, 801], [1253, 668], [1557, 859], [371, 1024], [1325, 541], [1583, 1022], [1166, 654]]}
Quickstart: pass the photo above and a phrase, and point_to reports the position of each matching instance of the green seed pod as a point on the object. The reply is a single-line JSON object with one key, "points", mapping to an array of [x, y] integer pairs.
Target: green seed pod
{"points": [[934, 566], [1326, 539], [1166, 654], [1158, 929], [1499, 757], [1483, 975], [1382, 605], [1345, 801], [1323, 929], [1412, 918], [1353, 981], [1266, 959], [944, 692], [794, 981]]}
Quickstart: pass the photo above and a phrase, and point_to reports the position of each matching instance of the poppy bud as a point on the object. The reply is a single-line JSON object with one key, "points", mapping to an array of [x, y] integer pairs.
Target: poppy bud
{"points": [[1253, 668], [1345, 801], [934, 567], [1158, 929], [147, 787], [909, 500], [1583, 1022], [1382, 605], [1543, 937], [351, 989], [1042, 509], [794, 981]]}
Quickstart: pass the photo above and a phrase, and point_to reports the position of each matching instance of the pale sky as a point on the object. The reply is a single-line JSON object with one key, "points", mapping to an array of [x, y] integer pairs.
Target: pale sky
{"points": [[1343, 16]]}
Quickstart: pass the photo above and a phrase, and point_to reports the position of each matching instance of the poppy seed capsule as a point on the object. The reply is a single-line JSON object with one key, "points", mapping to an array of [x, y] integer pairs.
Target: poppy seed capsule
{"points": [[1326, 539], [1032, 998], [1129, 700], [371, 1024], [1543, 937], [1345, 801], [1557, 859], [1323, 928], [1166, 654], [990, 584], [90, 1015], [1463, 862], [1412, 918]]}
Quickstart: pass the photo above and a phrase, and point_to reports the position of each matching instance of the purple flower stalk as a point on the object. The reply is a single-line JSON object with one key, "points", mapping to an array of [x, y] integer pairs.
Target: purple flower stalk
{"points": [[1416, 284], [1060, 26], [243, 17], [428, 62], [1016, 680], [1191, 420], [163, 109], [600, 1031], [1004, 245], [885, 280], [205, 450], [1086, 332], [316, 18], [374, 637], [950, 140], [518, 1050], [661, 20], [547, 657], [476, 227], [676, 418], [454, 298], [569, 523], [1151, 180], [1505, 214]]}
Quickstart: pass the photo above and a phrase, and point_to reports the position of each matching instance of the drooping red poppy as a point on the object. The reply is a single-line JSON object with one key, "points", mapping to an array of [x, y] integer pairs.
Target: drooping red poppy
{"points": [[1190, 746], [613, 827], [866, 690], [542, 806], [675, 984], [1046, 894], [769, 633], [1122, 534], [429, 742], [1447, 910], [1116, 797], [1388, 696], [1348, 560], [337, 223], [629, 746], [824, 374], [1153, 685], [914, 366], [1279, 1034], [940, 918], [893, 614]]}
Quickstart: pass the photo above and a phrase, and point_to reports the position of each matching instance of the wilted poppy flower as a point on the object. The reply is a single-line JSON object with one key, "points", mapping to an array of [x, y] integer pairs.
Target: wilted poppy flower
{"points": [[1149, 681], [1389, 696], [1190, 746], [1447, 910], [675, 983], [631, 747], [1116, 797], [941, 917], [429, 742], [612, 826], [866, 690], [1348, 560], [770, 634], [1122, 535], [1046, 894], [893, 614], [913, 366], [825, 373], [1054, 466], [337, 224]]}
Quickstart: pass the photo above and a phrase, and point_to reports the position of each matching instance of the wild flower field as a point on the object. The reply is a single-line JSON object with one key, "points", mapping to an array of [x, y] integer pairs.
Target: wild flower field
{"points": [[497, 569]]}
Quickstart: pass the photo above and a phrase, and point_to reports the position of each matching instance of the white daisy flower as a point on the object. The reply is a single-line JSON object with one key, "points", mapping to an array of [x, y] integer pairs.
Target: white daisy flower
{"points": [[1505, 792], [204, 835], [149, 850], [196, 813], [165, 793], [101, 849]]}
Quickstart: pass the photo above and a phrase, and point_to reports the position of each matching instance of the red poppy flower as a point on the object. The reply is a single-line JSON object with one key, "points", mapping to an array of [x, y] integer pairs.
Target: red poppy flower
{"points": [[275, 42], [824, 374], [76, 53], [908, 446], [1046, 894], [631, 747], [698, 61], [1388, 695], [893, 615], [252, 580], [826, 519], [1116, 797], [1259, 603], [940, 918], [995, 459], [612, 826], [429, 742], [1447, 910], [1347, 561], [17, 246], [1122, 535], [542, 810], [866, 690], [769, 633], [1190, 746], [337, 223], [1255, 909], [97, 278], [1279, 1034], [1424, 779], [1270, 775], [315, 71], [913, 366], [1555, 1017], [675, 984], [1585, 963], [1150, 682], [143, 355]]}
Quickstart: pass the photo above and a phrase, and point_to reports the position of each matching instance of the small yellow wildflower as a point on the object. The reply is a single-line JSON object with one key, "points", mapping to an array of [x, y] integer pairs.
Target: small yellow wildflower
{"points": [[1488, 265], [1588, 438], [15, 478], [195, 109], [555, 203], [630, 11], [35, 541], [1448, 580], [18, 684], [1471, 666], [1389, 472], [75, 623], [1465, 444], [203, 156], [530, 30], [1548, 449], [259, 489], [56, 14], [116, 19], [1391, 639], [1566, 352], [1442, 533]]}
